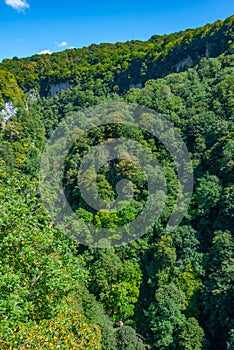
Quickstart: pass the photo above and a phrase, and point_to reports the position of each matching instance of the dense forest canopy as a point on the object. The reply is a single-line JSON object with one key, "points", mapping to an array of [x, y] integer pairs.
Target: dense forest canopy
{"points": [[121, 65], [165, 290]]}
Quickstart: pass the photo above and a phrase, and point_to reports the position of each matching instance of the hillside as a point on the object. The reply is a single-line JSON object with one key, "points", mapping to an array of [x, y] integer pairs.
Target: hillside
{"points": [[119, 66], [166, 289]]}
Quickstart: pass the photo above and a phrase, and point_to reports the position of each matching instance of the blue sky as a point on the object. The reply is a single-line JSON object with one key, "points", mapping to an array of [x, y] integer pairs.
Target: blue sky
{"points": [[31, 26]]}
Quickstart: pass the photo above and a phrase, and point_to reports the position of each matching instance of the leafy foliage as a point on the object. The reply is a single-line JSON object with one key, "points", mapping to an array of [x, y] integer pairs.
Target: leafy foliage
{"points": [[175, 289]]}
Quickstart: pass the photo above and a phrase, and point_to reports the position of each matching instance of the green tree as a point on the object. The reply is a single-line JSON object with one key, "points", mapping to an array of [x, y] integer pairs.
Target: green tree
{"points": [[191, 335], [126, 339]]}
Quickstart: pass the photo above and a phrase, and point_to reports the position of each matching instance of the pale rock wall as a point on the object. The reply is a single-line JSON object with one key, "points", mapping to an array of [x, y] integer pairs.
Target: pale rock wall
{"points": [[187, 62], [55, 89], [8, 111]]}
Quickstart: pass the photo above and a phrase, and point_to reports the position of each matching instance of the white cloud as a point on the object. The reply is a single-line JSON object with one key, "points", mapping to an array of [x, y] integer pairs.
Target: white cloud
{"points": [[62, 44], [19, 5], [44, 52]]}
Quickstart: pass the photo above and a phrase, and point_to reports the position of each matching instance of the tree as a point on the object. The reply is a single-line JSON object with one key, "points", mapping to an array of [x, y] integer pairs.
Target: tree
{"points": [[165, 315], [126, 339], [218, 293], [191, 335], [116, 284]]}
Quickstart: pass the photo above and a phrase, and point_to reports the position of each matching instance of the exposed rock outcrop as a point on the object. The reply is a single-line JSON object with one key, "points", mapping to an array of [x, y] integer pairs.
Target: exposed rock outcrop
{"points": [[8, 111], [187, 62], [55, 89], [136, 86]]}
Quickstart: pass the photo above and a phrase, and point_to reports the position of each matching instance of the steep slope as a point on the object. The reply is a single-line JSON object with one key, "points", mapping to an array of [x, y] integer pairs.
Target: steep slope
{"points": [[173, 288], [121, 65]]}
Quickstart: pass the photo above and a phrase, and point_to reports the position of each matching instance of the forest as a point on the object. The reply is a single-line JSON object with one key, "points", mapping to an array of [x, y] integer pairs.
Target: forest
{"points": [[165, 290]]}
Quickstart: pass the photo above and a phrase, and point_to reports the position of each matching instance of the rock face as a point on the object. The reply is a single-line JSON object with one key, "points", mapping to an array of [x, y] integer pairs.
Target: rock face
{"points": [[55, 89], [207, 54], [187, 62], [8, 111], [33, 96], [136, 86]]}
